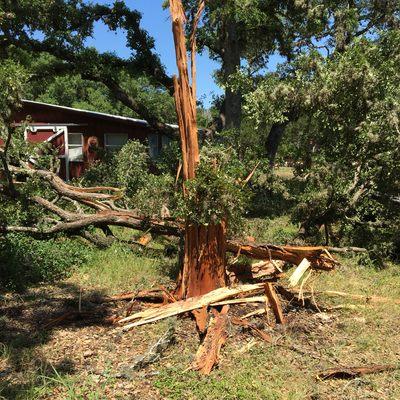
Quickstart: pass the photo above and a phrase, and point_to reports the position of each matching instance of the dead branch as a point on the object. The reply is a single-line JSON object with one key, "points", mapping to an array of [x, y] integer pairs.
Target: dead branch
{"points": [[353, 372], [365, 298], [153, 353], [73, 192], [256, 331], [275, 303], [346, 250]]}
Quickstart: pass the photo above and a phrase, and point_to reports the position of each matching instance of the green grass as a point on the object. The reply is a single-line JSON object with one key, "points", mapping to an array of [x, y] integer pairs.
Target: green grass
{"points": [[121, 268], [278, 230]]}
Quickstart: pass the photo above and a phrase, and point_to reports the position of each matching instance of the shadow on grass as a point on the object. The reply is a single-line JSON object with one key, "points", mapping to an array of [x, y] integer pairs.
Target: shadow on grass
{"points": [[29, 320]]}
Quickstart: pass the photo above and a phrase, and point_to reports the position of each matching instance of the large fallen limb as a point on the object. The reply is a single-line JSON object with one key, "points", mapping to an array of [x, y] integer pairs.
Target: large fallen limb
{"points": [[73, 192], [208, 353], [318, 256], [107, 214], [190, 304]]}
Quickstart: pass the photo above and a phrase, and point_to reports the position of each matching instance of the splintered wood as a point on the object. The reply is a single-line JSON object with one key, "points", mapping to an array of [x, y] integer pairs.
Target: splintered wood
{"points": [[208, 353], [275, 303], [182, 306]]}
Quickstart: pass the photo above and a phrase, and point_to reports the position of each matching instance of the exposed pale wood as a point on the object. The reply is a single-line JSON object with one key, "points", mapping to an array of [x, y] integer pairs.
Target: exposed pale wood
{"points": [[256, 299], [299, 272], [275, 303], [182, 306], [354, 372], [259, 311], [208, 353]]}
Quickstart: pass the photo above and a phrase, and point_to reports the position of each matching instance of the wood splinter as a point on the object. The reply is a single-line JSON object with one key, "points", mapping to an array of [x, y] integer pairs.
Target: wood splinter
{"points": [[208, 353], [275, 303]]}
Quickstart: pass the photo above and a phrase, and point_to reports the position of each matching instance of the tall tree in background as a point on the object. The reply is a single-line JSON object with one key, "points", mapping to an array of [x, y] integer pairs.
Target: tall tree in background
{"points": [[49, 38], [243, 35]]}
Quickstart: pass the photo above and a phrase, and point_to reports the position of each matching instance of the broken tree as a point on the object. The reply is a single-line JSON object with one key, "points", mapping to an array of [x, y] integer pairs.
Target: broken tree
{"points": [[204, 263]]}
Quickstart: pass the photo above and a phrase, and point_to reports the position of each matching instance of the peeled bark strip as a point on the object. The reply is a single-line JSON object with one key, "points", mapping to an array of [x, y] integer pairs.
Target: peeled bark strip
{"points": [[274, 303], [182, 306], [208, 353]]}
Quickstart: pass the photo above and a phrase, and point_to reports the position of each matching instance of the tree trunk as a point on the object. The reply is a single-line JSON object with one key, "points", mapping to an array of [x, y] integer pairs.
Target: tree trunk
{"points": [[230, 64], [204, 265], [273, 141]]}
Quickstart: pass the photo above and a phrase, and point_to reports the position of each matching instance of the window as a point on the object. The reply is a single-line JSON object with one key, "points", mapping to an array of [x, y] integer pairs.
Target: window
{"points": [[156, 143], [75, 146], [114, 141], [165, 140], [154, 149]]}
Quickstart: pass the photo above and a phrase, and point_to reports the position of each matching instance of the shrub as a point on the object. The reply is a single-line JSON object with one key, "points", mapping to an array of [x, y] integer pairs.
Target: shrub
{"points": [[24, 260]]}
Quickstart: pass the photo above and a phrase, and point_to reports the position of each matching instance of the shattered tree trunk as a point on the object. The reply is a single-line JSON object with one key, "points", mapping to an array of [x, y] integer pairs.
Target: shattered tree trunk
{"points": [[204, 263]]}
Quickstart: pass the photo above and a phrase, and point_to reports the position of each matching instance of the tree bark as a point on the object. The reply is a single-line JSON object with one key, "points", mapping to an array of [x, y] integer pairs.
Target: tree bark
{"points": [[273, 140], [232, 117], [204, 267]]}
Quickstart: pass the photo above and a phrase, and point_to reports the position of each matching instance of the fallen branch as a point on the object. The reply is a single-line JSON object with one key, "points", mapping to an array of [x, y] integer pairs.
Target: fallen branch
{"points": [[73, 192], [153, 353], [317, 256], [182, 306], [347, 250], [353, 372], [155, 295]]}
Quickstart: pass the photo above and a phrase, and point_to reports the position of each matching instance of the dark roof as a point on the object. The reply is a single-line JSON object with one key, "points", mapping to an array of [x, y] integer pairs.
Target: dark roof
{"points": [[94, 113]]}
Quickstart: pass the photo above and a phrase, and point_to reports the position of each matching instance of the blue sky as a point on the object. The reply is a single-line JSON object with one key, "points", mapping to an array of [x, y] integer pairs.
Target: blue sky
{"points": [[156, 21]]}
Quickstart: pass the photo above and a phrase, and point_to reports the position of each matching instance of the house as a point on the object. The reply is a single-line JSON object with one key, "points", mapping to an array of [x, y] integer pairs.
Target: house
{"points": [[78, 134]]}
